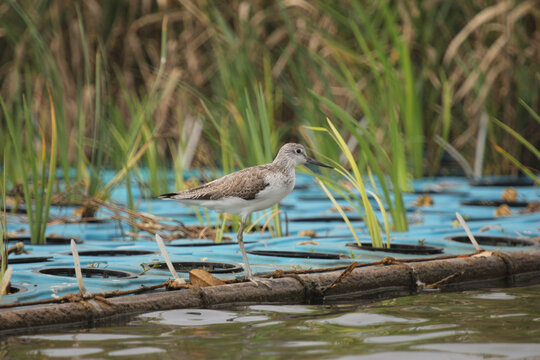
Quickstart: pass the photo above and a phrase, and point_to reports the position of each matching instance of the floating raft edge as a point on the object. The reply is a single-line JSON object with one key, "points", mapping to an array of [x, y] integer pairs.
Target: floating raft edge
{"points": [[378, 281]]}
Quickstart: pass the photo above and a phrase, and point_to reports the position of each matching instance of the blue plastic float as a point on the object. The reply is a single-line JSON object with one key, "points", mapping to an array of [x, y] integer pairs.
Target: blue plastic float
{"points": [[112, 262]]}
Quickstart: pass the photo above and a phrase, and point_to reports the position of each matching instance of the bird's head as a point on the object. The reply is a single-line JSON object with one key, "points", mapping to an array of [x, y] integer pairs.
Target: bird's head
{"points": [[295, 154]]}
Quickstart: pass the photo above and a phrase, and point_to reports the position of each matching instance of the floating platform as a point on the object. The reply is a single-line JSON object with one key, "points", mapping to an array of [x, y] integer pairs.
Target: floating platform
{"points": [[389, 278], [315, 261]]}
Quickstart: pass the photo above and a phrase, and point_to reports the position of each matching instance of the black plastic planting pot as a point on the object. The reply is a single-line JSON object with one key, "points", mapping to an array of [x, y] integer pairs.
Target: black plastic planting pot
{"points": [[91, 220], [208, 243], [455, 193], [28, 260], [16, 210], [297, 254], [520, 181], [329, 218], [211, 267], [15, 289], [113, 252], [87, 272], [495, 203], [319, 198], [399, 248], [492, 240], [51, 240]]}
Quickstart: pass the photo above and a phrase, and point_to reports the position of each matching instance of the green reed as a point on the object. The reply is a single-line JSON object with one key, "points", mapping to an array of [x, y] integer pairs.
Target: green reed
{"points": [[378, 161], [529, 172], [49, 69], [242, 122], [356, 179], [391, 76], [3, 224], [37, 167], [252, 132], [118, 144]]}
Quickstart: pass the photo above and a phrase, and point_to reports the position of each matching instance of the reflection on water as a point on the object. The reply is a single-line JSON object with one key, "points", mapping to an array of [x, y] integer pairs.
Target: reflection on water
{"points": [[502, 324], [136, 351], [66, 352], [189, 317], [361, 319], [496, 296]]}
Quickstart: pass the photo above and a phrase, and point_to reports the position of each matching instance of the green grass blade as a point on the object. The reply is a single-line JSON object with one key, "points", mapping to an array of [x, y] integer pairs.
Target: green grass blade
{"points": [[19, 159], [518, 137], [534, 114], [339, 209], [52, 167], [518, 164]]}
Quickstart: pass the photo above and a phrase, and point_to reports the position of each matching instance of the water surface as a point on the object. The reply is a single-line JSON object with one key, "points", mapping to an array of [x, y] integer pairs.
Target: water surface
{"points": [[498, 324]]}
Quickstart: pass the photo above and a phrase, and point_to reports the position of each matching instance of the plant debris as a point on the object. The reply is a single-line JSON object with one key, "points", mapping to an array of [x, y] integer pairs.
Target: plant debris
{"points": [[424, 200], [503, 210], [509, 194]]}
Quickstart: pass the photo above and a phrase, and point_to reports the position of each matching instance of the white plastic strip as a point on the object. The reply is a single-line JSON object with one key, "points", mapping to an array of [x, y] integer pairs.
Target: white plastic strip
{"points": [[165, 255], [77, 264], [468, 231]]}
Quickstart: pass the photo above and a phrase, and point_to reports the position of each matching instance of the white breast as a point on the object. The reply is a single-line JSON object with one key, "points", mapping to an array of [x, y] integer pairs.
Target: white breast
{"points": [[279, 187]]}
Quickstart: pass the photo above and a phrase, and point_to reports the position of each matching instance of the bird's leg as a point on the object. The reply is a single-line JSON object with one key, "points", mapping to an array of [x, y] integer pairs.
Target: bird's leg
{"points": [[240, 238]]}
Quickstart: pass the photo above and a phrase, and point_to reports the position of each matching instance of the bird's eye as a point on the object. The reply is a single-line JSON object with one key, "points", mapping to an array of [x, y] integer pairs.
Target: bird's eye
{"points": [[298, 151]]}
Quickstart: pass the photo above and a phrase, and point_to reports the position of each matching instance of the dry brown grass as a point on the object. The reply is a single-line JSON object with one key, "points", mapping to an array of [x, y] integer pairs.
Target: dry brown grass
{"points": [[488, 51]]}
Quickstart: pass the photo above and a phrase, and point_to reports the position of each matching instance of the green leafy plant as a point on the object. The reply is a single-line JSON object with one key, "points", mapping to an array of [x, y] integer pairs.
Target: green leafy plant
{"points": [[355, 178], [38, 169], [248, 136], [390, 65], [3, 228], [523, 141]]}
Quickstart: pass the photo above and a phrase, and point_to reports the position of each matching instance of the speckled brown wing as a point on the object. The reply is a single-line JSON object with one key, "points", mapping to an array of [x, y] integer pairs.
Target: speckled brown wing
{"points": [[245, 184]]}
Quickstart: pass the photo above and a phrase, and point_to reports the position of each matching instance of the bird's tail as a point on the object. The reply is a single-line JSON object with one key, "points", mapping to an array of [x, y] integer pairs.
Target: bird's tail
{"points": [[168, 196]]}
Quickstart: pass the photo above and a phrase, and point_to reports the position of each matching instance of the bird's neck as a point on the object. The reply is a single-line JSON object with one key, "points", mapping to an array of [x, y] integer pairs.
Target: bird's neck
{"points": [[284, 165]]}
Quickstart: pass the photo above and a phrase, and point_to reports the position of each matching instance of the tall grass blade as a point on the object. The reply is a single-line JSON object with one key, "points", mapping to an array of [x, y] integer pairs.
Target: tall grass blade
{"points": [[42, 175], [4, 281], [460, 159], [518, 137], [377, 159], [517, 163], [339, 209], [3, 223], [356, 179], [530, 110], [385, 217], [52, 168], [19, 159]]}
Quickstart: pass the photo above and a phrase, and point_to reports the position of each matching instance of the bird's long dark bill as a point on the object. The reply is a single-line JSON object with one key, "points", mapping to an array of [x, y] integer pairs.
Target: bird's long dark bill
{"points": [[318, 163]]}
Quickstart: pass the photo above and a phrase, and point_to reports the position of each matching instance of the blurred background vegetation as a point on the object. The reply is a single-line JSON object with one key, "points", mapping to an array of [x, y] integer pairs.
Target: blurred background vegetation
{"points": [[150, 84]]}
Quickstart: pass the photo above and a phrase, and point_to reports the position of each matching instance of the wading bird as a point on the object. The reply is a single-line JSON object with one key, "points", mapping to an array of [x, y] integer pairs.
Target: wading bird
{"points": [[248, 190]]}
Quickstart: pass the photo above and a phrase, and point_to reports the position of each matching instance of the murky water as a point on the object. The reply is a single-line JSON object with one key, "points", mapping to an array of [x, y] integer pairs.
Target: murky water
{"points": [[499, 324]]}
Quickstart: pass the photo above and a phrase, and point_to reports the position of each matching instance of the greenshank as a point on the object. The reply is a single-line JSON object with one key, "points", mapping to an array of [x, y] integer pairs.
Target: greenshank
{"points": [[250, 189]]}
